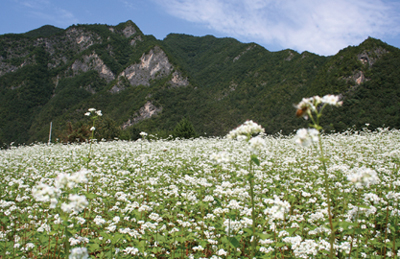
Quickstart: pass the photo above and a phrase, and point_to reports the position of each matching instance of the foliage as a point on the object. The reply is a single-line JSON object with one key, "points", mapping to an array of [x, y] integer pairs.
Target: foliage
{"points": [[184, 129], [44, 31], [229, 82]]}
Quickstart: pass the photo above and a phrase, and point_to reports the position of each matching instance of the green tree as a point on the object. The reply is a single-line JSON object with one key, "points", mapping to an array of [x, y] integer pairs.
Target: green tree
{"points": [[107, 129], [184, 129]]}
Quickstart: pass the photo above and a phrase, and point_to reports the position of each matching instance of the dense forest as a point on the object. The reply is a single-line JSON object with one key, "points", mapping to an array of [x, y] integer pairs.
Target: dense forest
{"points": [[212, 84]]}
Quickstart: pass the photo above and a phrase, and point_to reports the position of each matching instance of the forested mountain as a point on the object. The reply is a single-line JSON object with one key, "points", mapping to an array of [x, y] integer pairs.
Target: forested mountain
{"points": [[144, 84]]}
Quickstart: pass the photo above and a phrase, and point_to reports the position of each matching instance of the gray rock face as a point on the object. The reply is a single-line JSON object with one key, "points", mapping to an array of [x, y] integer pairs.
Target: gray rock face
{"points": [[145, 112], [92, 62], [177, 80], [153, 65], [82, 39], [129, 31]]}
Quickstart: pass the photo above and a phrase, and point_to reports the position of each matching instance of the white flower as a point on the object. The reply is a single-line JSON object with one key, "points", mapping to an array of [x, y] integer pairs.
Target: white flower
{"points": [[45, 193], [256, 144], [363, 177], [220, 157], [131, 250], [91, 109], [98, 112], [29, 246], [331, 100], [116, 219], [222, 252], [79, 177], [87, 114], [79, 253], [246, 130], [92, 128], [99, 220], [143, 134], [111, 228], [61, 180], [78, 203], [306, 137]]}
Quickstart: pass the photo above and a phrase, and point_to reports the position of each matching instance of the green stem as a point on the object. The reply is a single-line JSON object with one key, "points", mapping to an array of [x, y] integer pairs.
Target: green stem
{"points": [[253, 216], [328, 196], [354, 229], [66, 242]]}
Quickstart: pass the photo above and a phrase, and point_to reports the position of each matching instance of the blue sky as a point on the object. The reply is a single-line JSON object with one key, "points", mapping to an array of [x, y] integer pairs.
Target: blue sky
{"points": [[320, 26]]}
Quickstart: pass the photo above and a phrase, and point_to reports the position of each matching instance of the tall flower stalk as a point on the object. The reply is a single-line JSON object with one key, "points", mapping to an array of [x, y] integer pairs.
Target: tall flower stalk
{"points": [[249, 132], [94, 115], [311, 108]]}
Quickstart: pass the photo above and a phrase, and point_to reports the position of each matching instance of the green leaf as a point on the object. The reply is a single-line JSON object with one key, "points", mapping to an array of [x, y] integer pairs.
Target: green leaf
{"points": [[234, 242], [255, 160], [249, 231], [264, 236], [291, 230], [94, 247], [91, 195]]}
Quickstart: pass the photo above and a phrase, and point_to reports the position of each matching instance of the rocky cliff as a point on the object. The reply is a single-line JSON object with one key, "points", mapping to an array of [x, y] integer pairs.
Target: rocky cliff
{"points": [[144, 84]]}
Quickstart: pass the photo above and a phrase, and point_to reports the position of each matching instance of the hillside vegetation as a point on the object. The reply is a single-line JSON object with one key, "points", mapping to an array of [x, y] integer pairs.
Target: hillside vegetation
{"points": [[144, 84]]}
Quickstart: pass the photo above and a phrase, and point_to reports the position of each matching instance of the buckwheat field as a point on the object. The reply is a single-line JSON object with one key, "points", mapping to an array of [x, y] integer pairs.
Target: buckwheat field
{"points": [[246, 195]]}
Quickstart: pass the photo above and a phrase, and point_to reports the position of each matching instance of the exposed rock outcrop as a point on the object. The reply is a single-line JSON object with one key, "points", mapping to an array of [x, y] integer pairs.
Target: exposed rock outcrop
{"points": [[177, 80], [82, 38], [370, 57], [145, 112], [359, 77], [153, 65], [92, 62], [129, 31]]}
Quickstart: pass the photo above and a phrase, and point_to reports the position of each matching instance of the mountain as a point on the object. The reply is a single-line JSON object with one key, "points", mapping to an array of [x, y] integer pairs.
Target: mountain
{"points": [[144, 84]]}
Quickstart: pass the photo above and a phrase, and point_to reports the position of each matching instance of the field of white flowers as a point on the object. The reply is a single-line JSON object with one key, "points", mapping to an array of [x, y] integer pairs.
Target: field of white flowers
{"points": [[204, 198]]}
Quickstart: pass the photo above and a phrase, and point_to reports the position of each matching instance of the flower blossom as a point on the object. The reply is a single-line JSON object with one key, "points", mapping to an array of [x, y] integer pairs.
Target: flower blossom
{"points": [[221, 157], [363, 177], [94, 112], [77, 203], [131, 250], [79, 253], [331, 100], [245, 131], [308, 105], [306, 137], [256, 144]]}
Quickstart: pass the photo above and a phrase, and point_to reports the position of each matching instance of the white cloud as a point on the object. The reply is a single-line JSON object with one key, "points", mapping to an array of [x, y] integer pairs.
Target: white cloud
{"points": [[320, 26]]}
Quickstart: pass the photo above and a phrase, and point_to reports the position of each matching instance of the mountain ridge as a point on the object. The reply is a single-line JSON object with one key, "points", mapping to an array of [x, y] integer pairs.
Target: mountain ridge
{"points": [[145, 84]]}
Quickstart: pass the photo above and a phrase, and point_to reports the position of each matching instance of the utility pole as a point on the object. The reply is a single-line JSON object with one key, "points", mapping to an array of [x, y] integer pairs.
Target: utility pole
{"points": [[51, 126]]}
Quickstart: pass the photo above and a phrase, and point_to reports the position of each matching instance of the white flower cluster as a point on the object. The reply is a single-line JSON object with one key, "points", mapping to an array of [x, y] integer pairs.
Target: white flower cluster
{"points": [[305, 137], [363, 177], [245, 131], [46, 193], [77, 203], [131, 250], [79, 253], [143, 134], [220, 157], [257, 144], [93, 112], [64, 180], [313, 102], [303, 249], [278, 210]]}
